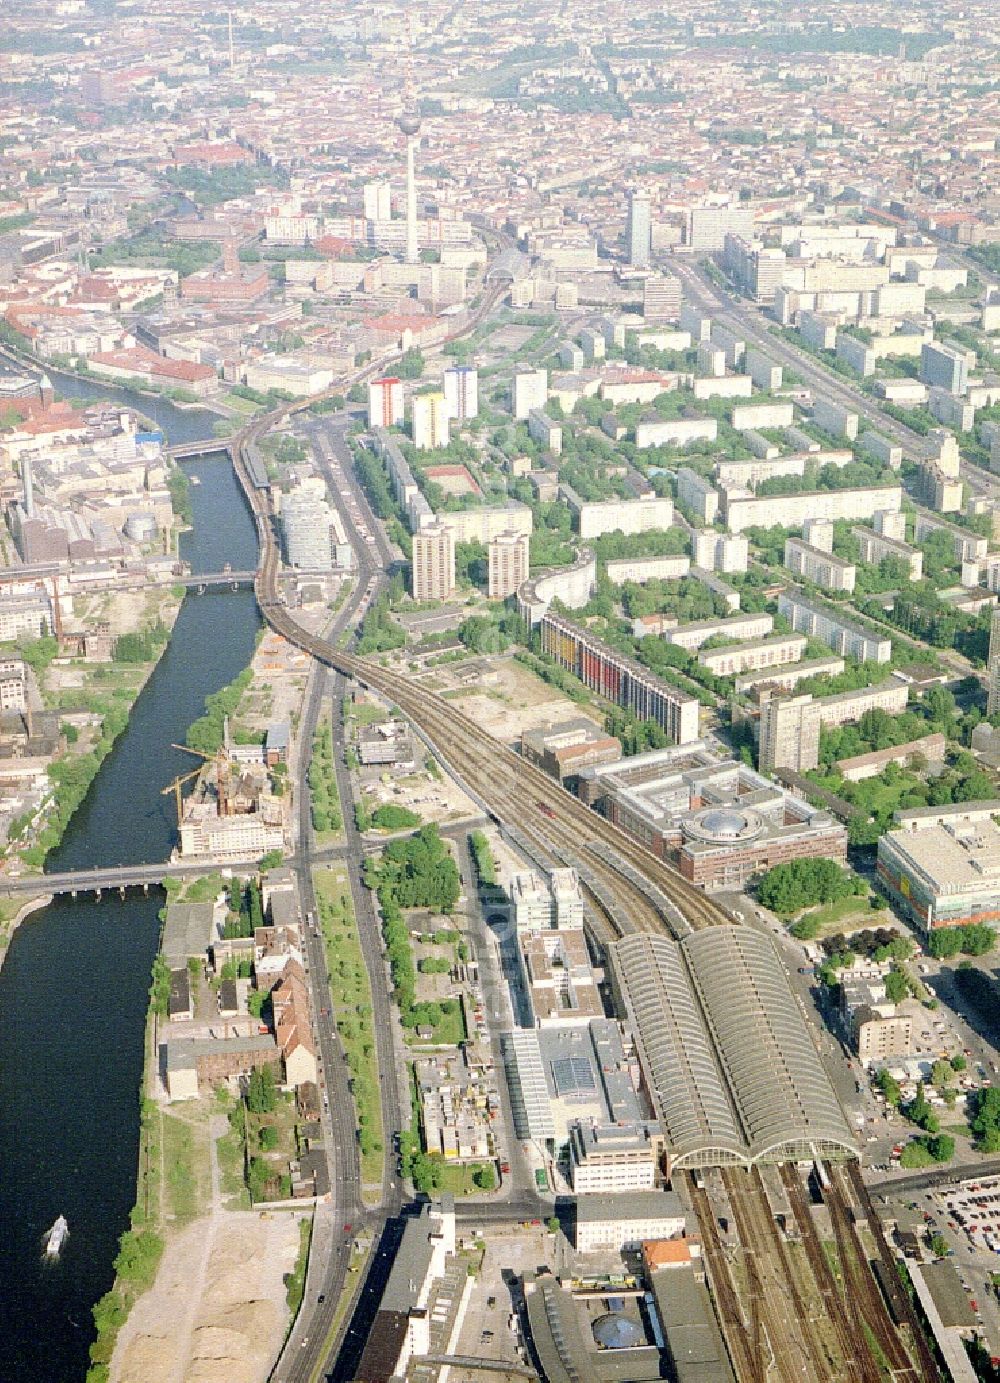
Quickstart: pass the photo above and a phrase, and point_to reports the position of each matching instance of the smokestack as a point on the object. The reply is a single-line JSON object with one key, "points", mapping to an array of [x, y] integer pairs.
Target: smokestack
{"points": [[29, 493]]}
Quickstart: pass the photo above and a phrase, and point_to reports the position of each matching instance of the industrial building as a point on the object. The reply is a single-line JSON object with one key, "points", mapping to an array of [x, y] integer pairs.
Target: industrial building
{"points": [[566, 749], [732, 1069], [619, 678], [942, 864]]}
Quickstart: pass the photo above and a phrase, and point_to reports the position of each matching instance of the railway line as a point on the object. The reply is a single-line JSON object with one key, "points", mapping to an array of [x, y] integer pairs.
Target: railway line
{"points": [[631, 890]]}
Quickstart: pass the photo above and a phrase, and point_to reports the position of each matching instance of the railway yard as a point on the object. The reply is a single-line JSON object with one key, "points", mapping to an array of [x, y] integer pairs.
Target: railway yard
{"points": [[791, 1306]]}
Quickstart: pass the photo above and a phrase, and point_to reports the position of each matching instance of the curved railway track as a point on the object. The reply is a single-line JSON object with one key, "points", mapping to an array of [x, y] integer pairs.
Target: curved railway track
{"points": [[632, 890]]}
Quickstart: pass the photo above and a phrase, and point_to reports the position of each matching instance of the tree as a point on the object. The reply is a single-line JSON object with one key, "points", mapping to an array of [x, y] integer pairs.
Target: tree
{"points": [[801, 883], [485, 1177], [919, 1111], [261, 1094], [896, 987], [942, 1147], [889, 1086], [941, 1073], [411, 366], [938, 1244]]}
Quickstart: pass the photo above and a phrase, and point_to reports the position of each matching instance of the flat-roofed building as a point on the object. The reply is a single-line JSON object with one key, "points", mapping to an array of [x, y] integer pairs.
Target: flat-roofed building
{"points": [[819, 566], [697, 494], [743, 510], [942, 865], [692, 635], [385, 402], [461, 391], [430, 421], [844, 635], [721, 552], [531, 389], [619, 1222], [754, 655], [432, 570], [564, 750], [611, 1157], [875, 547], [509, 559]]}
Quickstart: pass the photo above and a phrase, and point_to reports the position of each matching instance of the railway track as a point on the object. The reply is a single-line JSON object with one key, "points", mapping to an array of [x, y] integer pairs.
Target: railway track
{"points": [[795, 1344], [853, 1345], [744, 1342], [631, 890]]}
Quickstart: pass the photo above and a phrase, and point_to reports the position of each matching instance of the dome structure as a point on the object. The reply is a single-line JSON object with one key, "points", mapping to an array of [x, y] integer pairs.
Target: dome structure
{"points": [[724, 825], [614, 1331]]}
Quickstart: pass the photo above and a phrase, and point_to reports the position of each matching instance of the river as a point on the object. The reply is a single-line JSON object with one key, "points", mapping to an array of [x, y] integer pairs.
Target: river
{"points": [[73, 989]]}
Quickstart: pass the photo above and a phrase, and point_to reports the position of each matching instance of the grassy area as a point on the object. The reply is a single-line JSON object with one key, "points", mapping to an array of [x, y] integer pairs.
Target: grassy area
{"points": [[832, 916], [352, 1010], [182, 1145], [295, 1281], [364, 713], [229, 1155], [449, 1032]]}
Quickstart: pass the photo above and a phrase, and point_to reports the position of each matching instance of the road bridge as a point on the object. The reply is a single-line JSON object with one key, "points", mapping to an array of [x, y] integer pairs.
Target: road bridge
{"points": [[124, 876], [188, 451]]}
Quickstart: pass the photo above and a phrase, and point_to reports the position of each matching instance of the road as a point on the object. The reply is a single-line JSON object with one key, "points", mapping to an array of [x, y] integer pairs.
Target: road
{"points": [[330, 1254], [751, 326]]}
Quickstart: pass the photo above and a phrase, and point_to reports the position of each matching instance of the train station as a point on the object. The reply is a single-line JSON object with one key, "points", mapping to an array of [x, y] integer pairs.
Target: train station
{"points": [[733, 1072]]}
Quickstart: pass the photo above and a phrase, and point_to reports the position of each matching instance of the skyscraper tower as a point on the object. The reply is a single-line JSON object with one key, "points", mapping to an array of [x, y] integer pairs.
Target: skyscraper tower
{"points": [[993, 664], [409, 124], [637, 231]]}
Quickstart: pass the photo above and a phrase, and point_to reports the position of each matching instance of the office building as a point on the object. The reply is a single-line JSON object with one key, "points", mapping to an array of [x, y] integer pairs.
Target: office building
{"points": [[661, 299], [638, 231], [611, 1158], [432, 570], [993, 665], [508, 564], [531, 388], [844, 636], [564, 750], [306, 522], [429, 414], [942, 864], [461, 392], [708, 226], [944, 367], [385, 402]]}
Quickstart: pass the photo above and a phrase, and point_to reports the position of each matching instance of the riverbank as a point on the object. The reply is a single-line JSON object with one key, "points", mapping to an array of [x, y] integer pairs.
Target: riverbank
{"points": [[9, 925], [74, 986]]}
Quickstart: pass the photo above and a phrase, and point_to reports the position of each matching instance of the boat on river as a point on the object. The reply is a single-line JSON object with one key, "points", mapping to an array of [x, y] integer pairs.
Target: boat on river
{"points": [[56, 1237]]}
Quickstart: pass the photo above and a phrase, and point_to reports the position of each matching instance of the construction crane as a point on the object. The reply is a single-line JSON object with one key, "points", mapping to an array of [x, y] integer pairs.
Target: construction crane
{"points": [[221, 760], [175, 788]]}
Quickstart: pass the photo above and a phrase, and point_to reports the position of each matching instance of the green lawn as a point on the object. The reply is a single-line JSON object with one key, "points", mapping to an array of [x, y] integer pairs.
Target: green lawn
{"points": [[832, 916]]}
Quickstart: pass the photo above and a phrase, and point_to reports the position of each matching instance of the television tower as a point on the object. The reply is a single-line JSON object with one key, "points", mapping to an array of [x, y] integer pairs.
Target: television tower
{"points": [[409, 124], [232, 50]]}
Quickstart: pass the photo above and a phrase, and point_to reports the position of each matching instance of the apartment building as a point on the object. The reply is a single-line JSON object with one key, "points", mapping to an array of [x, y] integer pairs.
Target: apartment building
{"points": [[818, 566], [721, 552], [737, 627], [753, 656], [993, 664], [944, 367], [594, 517], [874, 547], [791, 511], [461, 391], [844, 636], [790, 725], [531, 389], [429, 416], [432, 568], [385, 402], [620, 679], [697, 494], [508, 555]]}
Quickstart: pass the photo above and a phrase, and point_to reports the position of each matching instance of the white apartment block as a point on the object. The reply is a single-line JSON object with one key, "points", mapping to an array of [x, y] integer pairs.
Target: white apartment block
{"points": [[509, 556], [430, 421], [461, 391], [432, 569], [531, 389]]}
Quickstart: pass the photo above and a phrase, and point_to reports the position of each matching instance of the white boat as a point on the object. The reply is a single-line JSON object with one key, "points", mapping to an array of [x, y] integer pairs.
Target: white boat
{"points": [[56, 1237]]}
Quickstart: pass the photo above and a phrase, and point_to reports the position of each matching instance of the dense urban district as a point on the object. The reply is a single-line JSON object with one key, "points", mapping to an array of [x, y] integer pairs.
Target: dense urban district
{"points": [[579, 946]]}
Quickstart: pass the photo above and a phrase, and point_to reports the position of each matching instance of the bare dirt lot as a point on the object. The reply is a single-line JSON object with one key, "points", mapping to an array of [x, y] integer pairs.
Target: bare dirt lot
{"points": [[217, 1312], [516, 701]]}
